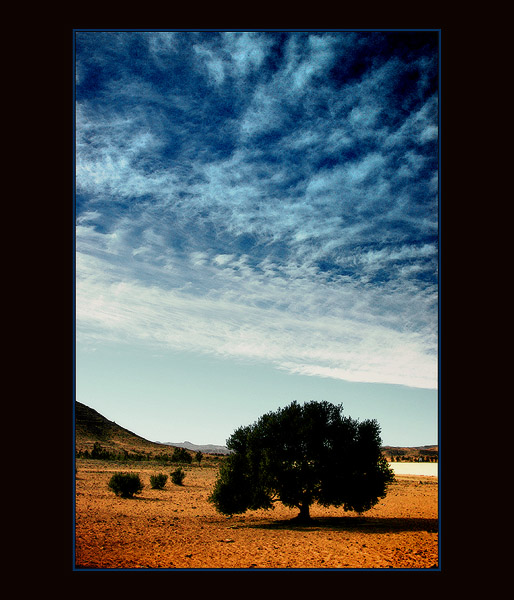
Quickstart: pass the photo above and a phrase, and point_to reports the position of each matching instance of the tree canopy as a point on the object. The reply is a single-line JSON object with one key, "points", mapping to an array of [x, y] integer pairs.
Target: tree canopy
{"points": [[302, 454]]}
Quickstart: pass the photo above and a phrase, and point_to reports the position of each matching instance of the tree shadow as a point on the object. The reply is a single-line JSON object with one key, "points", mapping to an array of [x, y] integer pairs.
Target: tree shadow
{"points": [[145, 499], [357, 524]]}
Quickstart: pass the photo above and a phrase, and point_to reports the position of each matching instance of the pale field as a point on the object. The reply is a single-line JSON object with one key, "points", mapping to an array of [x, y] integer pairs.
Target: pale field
{"points": [[176, 528]]}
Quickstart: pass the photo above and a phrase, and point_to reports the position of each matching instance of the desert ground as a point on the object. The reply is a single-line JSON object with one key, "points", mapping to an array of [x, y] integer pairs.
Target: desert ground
{"points": [[176, 528]]}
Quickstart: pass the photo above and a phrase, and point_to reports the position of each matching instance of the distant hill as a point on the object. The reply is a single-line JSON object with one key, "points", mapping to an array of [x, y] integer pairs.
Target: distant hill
{"points": [[389, 451], [411, 453], [208, 448], [91, 427]]}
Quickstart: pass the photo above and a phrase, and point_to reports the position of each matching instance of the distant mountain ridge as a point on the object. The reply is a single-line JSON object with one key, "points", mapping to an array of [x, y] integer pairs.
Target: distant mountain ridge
{"points": [[209, 448]]}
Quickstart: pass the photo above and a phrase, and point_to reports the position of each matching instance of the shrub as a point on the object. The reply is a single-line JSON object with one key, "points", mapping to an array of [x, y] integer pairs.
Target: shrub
{"points": [[99, 453], [181, 455], [125, 484], [158, 481], [177, 476], [162, 457]]}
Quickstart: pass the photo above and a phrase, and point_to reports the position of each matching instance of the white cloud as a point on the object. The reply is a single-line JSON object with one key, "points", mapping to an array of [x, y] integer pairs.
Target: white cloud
{"points": [[246, 49], [295, 324], [420, 126], [223, 259], [213, 63], [265, 112], [238, 54], [163, 44], [170, 192]]}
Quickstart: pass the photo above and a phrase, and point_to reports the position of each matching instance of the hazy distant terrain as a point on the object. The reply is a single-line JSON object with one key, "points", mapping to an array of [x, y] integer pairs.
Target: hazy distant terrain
{"points": [[430, 453], [209, 448]]}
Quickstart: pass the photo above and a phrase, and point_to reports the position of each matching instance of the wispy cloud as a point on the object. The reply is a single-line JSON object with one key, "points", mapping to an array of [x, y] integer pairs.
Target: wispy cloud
{"points": [[298, 327], [261, 195]]}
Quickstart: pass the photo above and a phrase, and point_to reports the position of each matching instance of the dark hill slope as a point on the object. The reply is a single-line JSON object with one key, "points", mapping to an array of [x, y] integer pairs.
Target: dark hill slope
{"points": [[91, 427]]}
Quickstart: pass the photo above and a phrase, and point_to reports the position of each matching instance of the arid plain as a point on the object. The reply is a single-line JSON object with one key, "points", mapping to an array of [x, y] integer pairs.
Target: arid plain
{"points": [[176, 528]]}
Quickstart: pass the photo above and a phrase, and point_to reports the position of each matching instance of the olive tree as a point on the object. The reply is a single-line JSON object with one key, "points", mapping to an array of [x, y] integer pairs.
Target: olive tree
{"points": [[302, 454]]}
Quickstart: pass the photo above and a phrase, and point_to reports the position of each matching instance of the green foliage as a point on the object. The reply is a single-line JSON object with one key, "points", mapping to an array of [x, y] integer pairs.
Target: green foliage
{"points": [[125, 484], [98, 452], [199, 456], [303, 454], [158, 481], [181, 455], [162, 457], [177, 476]]}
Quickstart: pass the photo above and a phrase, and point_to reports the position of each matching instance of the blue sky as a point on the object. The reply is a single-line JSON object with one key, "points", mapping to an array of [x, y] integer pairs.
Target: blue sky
{"points": [[257, 222]]}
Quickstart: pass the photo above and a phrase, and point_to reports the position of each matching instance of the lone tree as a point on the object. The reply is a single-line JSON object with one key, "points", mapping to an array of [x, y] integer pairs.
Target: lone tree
{"points": [[303, 454]]}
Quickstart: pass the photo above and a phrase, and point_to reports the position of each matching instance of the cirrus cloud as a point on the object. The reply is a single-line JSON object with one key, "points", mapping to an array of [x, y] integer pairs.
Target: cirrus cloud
{"points": [[267, 196]]}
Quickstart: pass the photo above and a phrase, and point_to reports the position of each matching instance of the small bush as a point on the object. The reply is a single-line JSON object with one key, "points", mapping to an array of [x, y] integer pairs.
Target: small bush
{"points": [[158, 481], [125, 484], [177, 476], [181, 455]]}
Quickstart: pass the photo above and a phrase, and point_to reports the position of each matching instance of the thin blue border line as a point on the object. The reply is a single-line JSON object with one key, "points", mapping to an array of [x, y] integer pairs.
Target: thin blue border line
{"points": [[378, 569], [192, 30], [319, 570], [439, 508], [439, 31], [74, 340]]}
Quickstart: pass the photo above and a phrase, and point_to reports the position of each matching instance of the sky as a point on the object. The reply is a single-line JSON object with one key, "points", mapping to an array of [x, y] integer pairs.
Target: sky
{"points": [[257, 222]]}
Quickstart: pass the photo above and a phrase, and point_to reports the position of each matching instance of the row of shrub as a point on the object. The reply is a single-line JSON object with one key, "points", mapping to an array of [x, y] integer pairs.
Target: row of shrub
{"points": [[98, 452], [428, 459], [126, 485]]}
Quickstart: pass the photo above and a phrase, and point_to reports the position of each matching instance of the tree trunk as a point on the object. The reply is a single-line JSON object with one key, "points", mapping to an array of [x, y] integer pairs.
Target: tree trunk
{"points": [[304, 512]]}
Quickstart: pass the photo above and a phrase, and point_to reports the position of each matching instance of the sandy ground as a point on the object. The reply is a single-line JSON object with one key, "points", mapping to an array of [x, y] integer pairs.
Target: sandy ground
{"points": [[176, 528]]}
